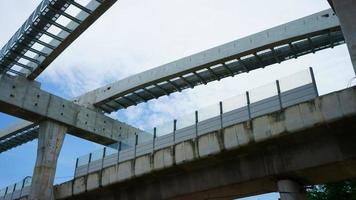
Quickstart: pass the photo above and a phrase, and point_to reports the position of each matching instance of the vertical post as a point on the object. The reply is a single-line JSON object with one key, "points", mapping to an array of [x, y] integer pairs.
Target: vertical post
{"points": [[248, 105], [174, 130], [118, 152], [196, 123], [174, 125], [221, 114], [13, 190], [154, 138], [279, 94], [104, 152], [313, 81], [89, 161], [76, 163], [136, 142], [103, 158], [76, 166], [23, 185], [90, 155], [50, 140]]}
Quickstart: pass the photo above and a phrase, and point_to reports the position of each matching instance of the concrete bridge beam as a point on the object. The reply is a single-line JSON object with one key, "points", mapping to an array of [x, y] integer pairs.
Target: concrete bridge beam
{"points": [[291, 190], [25, 99], [50, 140], [346, 11]]}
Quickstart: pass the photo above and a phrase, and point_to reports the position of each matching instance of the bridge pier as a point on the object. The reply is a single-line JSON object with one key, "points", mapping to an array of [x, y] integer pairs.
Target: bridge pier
{"points": [[346, 12], [290, 190], [50, 140]]}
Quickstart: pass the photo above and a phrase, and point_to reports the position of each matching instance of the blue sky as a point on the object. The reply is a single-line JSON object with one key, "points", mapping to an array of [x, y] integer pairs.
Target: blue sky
{"points": [[135, 35]]}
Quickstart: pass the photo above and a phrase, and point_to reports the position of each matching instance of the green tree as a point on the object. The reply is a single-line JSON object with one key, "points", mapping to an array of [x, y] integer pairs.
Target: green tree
{"points": [[334, 191]]}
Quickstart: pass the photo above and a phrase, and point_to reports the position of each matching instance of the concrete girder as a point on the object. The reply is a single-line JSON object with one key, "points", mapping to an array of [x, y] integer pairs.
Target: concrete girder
{"points": [[23, 98], [310, 26]]}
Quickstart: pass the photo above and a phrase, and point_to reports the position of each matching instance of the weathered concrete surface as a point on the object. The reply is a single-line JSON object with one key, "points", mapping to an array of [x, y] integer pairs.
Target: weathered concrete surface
{"points": [[185, 152], [346, 11], [23, 98], [310, 143], [109, 175], [143, 165], [50, 140], [163, 158], [125, 171], [291, 190], [65, 188]]}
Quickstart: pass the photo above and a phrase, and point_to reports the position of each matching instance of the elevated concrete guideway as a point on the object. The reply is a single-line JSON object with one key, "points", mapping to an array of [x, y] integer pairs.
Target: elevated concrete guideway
{"points": [[308, 143], [31, 38], [275, 45], [17, 134]]}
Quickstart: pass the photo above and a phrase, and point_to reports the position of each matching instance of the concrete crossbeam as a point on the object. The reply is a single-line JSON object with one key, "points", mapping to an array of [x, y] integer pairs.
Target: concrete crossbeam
{"points": [[346, 11], [23, 98], [309, 26]]}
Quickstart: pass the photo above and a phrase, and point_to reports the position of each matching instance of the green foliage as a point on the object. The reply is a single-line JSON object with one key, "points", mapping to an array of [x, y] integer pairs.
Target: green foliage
{"points": [[334, 191]]}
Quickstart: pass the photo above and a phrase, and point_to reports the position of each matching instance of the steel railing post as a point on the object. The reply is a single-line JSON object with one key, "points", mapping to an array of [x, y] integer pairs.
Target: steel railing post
{"points": [[174, 130], [196, 123], [248, 105], [279, 94], [313, 81], [221, 114]]}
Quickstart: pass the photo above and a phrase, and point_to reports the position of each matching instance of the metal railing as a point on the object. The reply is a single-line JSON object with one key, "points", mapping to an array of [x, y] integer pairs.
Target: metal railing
{"points": [[269, 98], [17, 190]]}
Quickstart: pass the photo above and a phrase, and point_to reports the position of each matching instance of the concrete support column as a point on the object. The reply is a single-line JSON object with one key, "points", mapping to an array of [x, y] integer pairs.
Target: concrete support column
{"points": [[346, 12], [50, 140], [290, 190]]}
